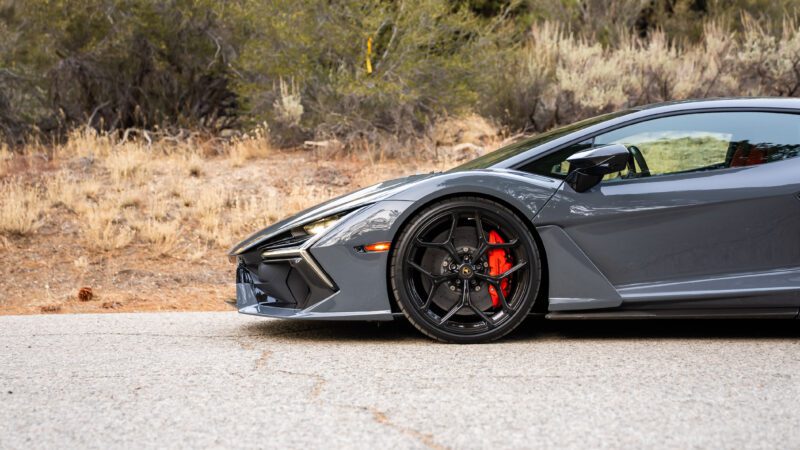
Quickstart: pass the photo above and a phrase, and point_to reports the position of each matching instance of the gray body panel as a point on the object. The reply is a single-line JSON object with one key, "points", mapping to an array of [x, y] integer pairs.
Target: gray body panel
{"points": [[702, 241], [568, 263], [730, 234]]}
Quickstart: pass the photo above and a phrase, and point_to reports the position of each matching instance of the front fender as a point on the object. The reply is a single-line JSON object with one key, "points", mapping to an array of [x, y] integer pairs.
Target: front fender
{"points": [[528, 193], [361, 277]]}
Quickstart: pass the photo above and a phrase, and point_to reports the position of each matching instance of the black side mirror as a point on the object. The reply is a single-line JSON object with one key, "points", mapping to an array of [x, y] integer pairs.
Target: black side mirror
{"points": [[587, 168]]}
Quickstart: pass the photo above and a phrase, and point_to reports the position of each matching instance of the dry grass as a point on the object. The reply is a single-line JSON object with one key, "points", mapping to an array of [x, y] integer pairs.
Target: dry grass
{"points": [[249, 147], [145, 225], [103, 230], [5, 157], [130, 162], [20, 208], [164, 237]]}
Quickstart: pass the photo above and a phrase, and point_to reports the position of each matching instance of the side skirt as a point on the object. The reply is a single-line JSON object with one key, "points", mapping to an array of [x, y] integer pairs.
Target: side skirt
{"points": [[744, 313]]}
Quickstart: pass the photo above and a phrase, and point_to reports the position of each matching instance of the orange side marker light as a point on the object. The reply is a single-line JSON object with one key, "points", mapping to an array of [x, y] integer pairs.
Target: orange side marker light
{"points": [[377, 247]]}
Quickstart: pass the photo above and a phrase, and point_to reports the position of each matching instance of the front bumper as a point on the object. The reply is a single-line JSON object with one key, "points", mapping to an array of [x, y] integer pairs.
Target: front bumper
{"points": [[294, 291], [324, 278]]}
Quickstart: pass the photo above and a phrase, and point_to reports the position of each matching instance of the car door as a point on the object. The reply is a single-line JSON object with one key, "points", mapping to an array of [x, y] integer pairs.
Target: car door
{"points": [[716, 222]]}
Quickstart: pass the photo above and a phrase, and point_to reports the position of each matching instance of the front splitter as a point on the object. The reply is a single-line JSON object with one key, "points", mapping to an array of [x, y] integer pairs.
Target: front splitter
{"points": [[305, 314]]}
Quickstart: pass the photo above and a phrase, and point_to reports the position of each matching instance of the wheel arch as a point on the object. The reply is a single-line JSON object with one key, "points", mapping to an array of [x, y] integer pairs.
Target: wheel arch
{"points": [[542, 297]]}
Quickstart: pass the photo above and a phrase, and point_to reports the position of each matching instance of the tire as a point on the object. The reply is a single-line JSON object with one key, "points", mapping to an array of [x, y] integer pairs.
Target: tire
{"points": [[465, 270]]}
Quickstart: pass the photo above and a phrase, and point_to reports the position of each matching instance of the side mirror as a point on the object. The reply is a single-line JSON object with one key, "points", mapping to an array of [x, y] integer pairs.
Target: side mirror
{"points": [[587, 168]]}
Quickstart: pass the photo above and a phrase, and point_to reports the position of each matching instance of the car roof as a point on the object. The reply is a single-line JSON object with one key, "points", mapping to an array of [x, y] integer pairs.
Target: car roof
{"points": [[722, 102], [645, 112]]}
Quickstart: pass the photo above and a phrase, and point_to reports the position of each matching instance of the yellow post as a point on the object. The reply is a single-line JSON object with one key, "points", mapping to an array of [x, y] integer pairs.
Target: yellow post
{"points": [[369, 55]]}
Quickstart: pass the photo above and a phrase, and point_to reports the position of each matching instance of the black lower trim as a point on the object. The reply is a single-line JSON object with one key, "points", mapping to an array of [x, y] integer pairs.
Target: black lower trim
{"points": [[283, 283], [743, 313]]}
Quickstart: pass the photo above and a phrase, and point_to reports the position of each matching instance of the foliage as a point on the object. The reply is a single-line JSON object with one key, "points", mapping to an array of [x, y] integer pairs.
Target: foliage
{"points": [[375, 70], [559, 77], [425, 60], [114, 64]]}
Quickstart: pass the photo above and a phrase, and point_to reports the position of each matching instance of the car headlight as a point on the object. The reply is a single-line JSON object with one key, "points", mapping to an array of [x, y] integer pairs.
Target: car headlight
{"points": [[321, 225]]}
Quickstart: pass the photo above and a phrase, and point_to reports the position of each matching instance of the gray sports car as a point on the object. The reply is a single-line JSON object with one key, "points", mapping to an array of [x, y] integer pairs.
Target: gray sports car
{"points": [[679, 210]]}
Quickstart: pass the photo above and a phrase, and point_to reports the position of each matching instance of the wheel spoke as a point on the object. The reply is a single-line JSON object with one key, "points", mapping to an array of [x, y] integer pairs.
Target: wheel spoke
{"points": [[479, 229], [432, 277], [453, 252], [482, 315], [510, 244], [453, 225], [427, 304], [436, 281], [466, 299], [465, 293], [485, 246], [496, 279], [445, 277], [447, 245], [482, 247], [504, 306], [481, 237], [419, 268], [460, 305], [451, 232], [510, 271], [450, 313]]}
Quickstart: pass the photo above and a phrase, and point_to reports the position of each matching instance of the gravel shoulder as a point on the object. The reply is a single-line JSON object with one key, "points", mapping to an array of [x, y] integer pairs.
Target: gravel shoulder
{"points": [[224, 380]]}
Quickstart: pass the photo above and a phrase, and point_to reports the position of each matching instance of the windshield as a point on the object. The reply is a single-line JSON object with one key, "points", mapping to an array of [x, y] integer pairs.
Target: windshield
{"points": [[503, 153]]}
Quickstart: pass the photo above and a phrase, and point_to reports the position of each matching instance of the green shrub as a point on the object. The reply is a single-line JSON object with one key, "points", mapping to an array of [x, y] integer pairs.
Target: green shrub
{"points": [[427, 59], [116, 64]]}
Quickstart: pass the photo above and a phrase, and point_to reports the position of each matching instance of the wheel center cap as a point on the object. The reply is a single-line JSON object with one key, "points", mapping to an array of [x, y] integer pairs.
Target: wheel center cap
{"points": [[465, 272]]}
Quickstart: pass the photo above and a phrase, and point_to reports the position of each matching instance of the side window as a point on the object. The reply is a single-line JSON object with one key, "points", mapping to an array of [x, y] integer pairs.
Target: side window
{"points": [[709, 141], [690, 143]]}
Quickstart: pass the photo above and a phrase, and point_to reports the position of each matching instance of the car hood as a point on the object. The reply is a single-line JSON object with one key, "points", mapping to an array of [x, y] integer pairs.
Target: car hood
{"points": [[344, 203]]}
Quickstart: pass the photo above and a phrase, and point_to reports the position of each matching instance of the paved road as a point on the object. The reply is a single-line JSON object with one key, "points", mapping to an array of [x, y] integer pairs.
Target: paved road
{"points": [[223, 380]]}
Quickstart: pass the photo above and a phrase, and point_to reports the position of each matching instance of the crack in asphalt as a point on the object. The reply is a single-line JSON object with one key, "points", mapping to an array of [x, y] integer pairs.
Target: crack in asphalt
{"points": [[378, 416], [425, 438], [316, 390], [320, 382], [263, 359]]}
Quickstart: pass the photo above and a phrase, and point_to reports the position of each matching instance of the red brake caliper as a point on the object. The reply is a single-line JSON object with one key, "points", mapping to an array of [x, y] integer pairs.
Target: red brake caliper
{"points": [[498, 263]]}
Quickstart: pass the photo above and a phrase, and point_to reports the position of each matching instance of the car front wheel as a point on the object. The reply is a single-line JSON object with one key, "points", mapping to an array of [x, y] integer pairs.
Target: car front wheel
{"points": [[465, 270]]}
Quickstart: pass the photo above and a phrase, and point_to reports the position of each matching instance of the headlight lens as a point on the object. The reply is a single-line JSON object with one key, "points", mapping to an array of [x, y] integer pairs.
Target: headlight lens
{"points": [[321, 225]]}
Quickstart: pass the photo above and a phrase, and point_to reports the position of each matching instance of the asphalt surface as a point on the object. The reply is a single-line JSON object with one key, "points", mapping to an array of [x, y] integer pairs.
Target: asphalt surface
{"points": [[224, 380]]}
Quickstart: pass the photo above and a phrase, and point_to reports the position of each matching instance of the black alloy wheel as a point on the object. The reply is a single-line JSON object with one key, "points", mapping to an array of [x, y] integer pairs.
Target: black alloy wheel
{"points": [[465, 270]]}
